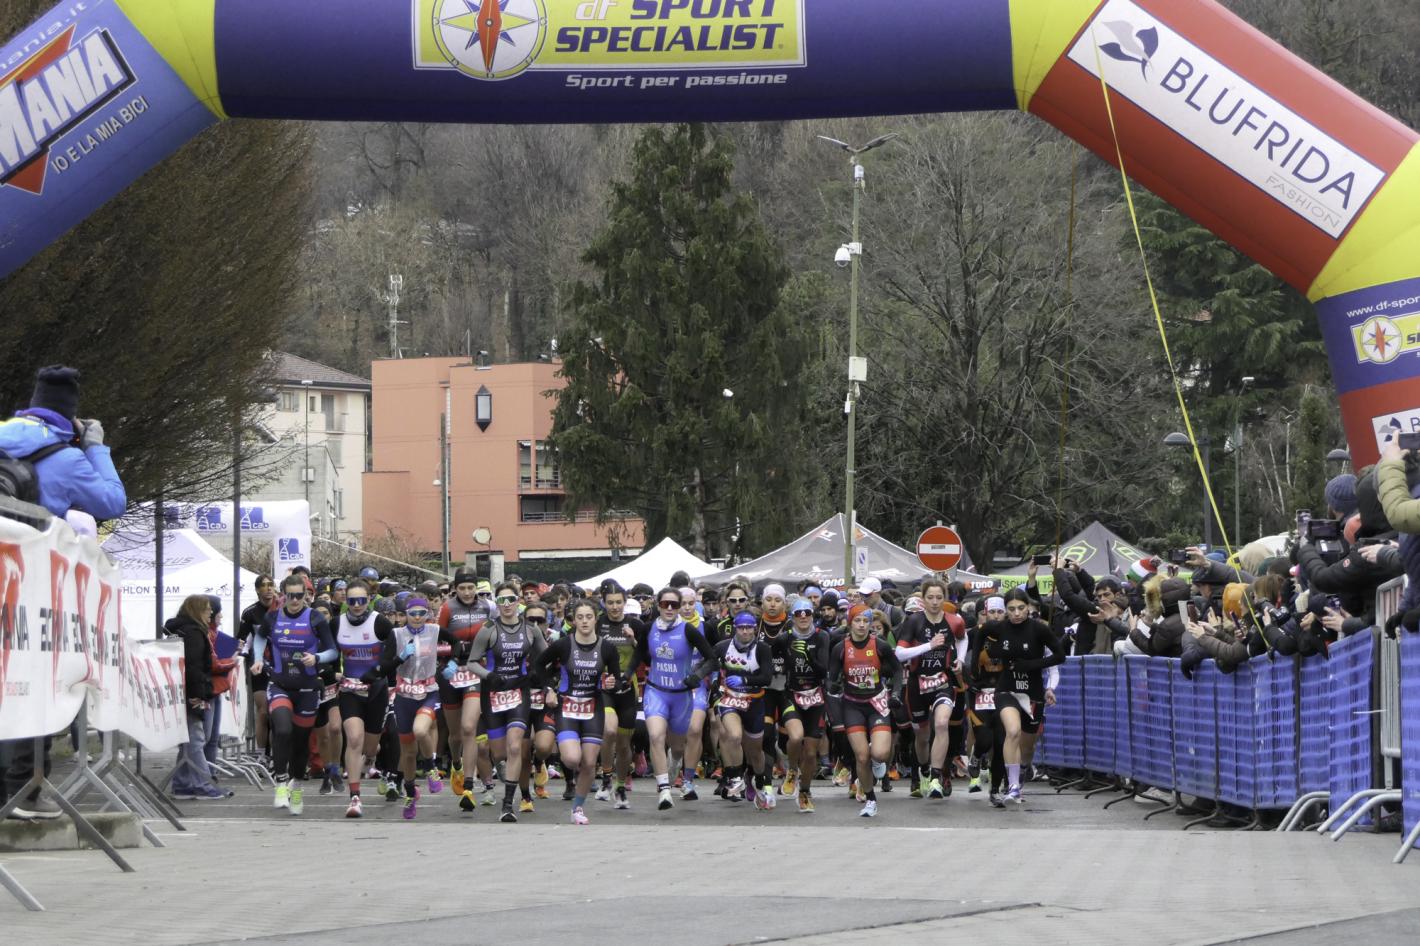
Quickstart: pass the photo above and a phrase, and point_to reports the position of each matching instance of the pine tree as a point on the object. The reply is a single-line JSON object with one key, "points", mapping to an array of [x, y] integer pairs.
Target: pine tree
{"points": [[684, 356]]}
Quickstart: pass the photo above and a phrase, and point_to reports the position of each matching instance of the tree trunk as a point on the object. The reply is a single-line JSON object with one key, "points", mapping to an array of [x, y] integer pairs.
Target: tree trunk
{"points": [[699, 540]]}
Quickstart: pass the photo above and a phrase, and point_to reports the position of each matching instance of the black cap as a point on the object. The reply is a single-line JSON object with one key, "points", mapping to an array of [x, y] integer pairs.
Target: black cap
{"points": [[57, 389]]}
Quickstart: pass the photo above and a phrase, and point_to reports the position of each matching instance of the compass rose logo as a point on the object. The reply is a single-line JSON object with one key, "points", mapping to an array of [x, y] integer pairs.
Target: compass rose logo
{"points": [[490, 39], [1381, 340]]}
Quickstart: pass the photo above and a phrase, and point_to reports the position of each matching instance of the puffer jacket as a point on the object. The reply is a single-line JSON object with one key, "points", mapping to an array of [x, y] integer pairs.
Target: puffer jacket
{"points": [[1165, 637], [197, 655], [69, 479], [1401, 502]]}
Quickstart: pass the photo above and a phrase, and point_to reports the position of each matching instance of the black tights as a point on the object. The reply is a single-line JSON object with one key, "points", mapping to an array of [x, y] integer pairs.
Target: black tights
{"points": [[991, 737], [290, 746]]}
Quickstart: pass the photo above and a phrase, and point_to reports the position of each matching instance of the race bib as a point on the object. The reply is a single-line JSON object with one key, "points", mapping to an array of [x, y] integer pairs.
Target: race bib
{"points": [[879, 703], [329, 693], [410, 689], [731, 700], [574, 707], [464, 679], [353, 685], [501, 701], [808, 699], [986, 700], [937, 681], [537, 699]]}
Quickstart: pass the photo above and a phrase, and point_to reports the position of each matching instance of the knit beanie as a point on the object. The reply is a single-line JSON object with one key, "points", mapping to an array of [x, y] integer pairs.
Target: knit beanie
{"points": [[57, 389], [1341, 494]]}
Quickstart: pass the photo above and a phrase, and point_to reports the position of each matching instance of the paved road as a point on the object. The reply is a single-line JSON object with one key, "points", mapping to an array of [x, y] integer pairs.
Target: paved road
{"points": [[1058, 869]]}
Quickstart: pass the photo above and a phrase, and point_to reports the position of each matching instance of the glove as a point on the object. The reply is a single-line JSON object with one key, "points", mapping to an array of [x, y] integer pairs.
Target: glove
{"points": [[370, 676], [407, 652], [450, 670], [735, 682], [894, 704], [92, 434], [690, 682], [495, 681]]}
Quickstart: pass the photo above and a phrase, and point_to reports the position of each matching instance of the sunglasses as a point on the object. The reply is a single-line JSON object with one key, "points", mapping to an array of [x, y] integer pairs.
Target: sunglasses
{"points": [[670, 604], [736, 600], [506, 599], [356, 602], [542, 620], [295, 595], [418, 613]]}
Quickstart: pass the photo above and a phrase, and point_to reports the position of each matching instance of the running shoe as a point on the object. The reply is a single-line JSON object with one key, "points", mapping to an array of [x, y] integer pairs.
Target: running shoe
{"points": [[489, 796], [540, 781], [958, 768], [790, 786], [841, 777], [687, 790], [467, 803], [355, 810], [603, 793], [769, 799], [751, 793], [508, 816], [997, 801], [579, 816], [569, 791], [325, 787], [541, 791], [806, 803], [337, 780], [663, 800], [526, 806], [824, 773], [392, 789], [973, 770], [974, 786], [298, 804], [1014, 794], [934, 789], [735, 789], [435, 785], [624, 804], [870, 809], [456, 781], [411, 807], [886, 784], [678, 780], [283, 796]]}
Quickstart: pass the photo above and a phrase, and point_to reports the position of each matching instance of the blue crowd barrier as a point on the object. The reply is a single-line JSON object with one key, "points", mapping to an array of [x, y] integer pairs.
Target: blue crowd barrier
{"points": [[1352, 750], [1410, 728], [1314, 712], [1237, 739], [1276, 689], [1100, 713], [1065, 721], [1195, 729], [1123, 752]]}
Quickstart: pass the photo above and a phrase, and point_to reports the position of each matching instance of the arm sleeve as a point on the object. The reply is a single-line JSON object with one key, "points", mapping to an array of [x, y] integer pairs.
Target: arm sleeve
{"points": [[764, 673], [1052, 678], [707, 653], [481, 645], [92, 484], [544, 664], [328, 653], [905, 654]]}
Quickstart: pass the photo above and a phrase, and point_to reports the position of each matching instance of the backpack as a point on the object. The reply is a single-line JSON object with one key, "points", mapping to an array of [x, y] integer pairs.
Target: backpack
{"points": [[17, 474]]}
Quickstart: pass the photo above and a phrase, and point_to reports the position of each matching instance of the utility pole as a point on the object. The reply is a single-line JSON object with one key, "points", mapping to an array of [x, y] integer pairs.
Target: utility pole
{"points": [[851, 255], [396, 285]]}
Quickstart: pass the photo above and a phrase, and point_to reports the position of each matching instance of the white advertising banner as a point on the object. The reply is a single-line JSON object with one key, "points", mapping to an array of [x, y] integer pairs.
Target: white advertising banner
{"points": [[286, 523], [62, 641]]}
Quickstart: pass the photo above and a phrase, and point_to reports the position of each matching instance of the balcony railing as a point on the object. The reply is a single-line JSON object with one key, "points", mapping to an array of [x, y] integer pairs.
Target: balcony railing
{"points": [[528, 481]]}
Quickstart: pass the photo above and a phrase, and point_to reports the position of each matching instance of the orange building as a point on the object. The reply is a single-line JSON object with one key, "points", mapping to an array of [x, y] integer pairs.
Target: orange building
{"points": [[501, 475]]}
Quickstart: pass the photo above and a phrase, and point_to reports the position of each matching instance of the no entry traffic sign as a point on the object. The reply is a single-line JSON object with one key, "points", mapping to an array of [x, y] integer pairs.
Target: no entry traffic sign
{"points": [[939, 548]]}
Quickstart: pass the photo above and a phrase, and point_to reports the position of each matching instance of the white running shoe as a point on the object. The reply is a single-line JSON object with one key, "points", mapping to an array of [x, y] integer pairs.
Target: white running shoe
{"points": [[769, 799], [735, 789], [623, 803], [603, 794], [870, 809], [687, 790], [663, 801], [283, 796], [579, 816]]}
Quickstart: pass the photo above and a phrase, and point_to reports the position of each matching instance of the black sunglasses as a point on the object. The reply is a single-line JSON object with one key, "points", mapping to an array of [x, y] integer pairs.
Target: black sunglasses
{"points": [[295, 595], [670, 604], [537, 620], [356, 602]]}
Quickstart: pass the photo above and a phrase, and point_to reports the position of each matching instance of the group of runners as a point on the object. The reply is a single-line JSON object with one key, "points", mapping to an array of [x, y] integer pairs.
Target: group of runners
{"points": [[405, 694]]}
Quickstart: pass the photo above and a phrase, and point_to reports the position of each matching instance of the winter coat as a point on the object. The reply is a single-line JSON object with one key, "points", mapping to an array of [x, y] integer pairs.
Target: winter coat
{"points": [[1401, 502], [1077, 590], [1227, 650], [68, 479], [197, 655], [1353, 579]]}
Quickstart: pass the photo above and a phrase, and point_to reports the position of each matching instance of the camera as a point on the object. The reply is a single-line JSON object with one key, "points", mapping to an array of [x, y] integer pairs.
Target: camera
{"points": [[1277, 617], [843, 257], [1408, 441], [1178, 556], [1325, 534]]}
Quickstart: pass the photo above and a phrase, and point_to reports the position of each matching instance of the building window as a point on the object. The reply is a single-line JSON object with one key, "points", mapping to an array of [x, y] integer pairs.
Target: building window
{"points": [[541, 509], [289, 402], [538, 467]]}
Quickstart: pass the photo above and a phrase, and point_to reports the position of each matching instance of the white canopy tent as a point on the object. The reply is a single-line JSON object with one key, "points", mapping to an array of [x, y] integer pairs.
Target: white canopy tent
{"points": [[190, 567], [654, 567]]}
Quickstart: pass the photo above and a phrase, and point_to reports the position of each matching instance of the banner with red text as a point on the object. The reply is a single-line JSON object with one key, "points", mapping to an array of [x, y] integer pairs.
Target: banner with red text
{"points": [[62, 641]]}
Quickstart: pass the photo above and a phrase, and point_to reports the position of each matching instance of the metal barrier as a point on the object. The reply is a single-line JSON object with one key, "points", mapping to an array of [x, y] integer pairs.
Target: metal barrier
{"points": [[1340, 731]]}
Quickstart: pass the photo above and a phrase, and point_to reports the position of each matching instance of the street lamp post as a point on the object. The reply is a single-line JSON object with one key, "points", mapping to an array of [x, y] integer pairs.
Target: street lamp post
{"points": [[1205, 443], [851, 255]]}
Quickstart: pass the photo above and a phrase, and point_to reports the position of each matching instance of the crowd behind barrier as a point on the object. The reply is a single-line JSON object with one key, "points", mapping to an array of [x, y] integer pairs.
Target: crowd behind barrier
{"points": [[1340, 730]]}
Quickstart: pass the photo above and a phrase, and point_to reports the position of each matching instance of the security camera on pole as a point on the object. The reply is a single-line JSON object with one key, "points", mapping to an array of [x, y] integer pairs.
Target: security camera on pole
{"points": [[851, 254]]}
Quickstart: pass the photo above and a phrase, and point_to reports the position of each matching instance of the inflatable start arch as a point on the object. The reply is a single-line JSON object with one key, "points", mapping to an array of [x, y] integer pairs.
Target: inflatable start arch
{"points": [[1305, 177]]}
